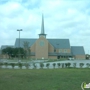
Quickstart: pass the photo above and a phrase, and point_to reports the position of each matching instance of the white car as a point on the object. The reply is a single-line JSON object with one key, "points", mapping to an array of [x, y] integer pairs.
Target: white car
{"points": [[70, 58]]}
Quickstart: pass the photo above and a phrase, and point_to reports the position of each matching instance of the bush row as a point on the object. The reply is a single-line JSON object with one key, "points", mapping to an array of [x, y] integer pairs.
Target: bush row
{"points": [[62, 65]]}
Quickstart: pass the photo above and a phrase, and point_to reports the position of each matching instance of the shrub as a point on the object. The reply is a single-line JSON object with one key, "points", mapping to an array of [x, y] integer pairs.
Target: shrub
{"points": [[54, 64], [58, 64], [13, 65], [27, 65], [6, 64], [47, 65], [1, 64], [88, 65], [74, 65], [41, 65], [62, 65], [34, 65], [20, 65], [68, 64], [81, 65]]}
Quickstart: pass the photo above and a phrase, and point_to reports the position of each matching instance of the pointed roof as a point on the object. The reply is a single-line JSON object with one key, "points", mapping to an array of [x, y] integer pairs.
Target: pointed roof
{"points": [[77, 50], [42, 28]]}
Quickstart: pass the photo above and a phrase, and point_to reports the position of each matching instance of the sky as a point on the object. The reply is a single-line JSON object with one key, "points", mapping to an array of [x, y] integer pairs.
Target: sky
{"points": [[63, 19]]}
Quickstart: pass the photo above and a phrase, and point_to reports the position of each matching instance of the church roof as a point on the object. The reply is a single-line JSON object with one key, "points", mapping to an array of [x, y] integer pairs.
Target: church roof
{"points": [[77, 50], [22, 40], [56, 43], [60, 43]]}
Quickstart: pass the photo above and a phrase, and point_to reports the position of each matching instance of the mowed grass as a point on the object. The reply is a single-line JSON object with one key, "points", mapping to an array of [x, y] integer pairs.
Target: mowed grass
{"points": [[43, 79]]}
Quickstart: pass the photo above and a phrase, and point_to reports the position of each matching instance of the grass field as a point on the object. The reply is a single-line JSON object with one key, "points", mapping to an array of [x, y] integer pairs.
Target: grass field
{"points": [[43, 79]]}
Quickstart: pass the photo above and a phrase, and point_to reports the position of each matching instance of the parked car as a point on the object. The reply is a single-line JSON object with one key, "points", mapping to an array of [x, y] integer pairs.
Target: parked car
{"points": [[71, 58]]}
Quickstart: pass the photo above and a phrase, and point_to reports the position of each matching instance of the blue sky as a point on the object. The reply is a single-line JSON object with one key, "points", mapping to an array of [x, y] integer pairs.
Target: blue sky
{"points": [[69, 19]]}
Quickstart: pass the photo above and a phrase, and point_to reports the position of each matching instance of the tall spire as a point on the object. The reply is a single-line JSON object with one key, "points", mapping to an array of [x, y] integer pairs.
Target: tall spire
{"points": [[42, 28]]}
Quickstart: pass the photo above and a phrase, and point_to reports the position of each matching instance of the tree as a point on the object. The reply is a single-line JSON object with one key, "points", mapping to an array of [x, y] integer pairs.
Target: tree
{"points": [[74, 65], [7, 51], [41, 65], [20, 65], [81, 65], [34, 65], [68, 64], [62, 65], [88, 65], [54, 64], [6, 64], [27, 65], [1, 64], [13, 65], [26, 49], [13, 52], [47, 65], [58, 64]]}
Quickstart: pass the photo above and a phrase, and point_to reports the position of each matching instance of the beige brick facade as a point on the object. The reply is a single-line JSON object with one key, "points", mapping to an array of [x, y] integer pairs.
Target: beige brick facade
{"points": [[52, 57], [79, 57], [41, 50]]}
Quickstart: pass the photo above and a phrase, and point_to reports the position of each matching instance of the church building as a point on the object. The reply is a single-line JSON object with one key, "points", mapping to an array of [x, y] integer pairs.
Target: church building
{"points": [[44, 48]]}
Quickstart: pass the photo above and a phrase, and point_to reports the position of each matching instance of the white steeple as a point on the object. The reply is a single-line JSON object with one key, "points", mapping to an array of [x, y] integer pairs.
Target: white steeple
{"points": [[42, 28]]}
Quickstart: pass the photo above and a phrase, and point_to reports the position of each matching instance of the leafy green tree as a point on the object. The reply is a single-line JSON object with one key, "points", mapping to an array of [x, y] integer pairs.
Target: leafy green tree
{"points": [[13, 52], [7, 51]]}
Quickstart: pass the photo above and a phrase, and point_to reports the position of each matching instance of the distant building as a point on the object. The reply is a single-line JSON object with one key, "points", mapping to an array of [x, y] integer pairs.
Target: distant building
{"points": [[43, 48]]}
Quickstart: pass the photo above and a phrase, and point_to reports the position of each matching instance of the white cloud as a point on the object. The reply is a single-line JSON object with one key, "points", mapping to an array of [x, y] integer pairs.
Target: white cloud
{"points": [[63, 19]]}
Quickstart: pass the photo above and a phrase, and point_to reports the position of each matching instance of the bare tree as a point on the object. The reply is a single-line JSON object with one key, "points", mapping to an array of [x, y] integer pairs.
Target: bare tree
{"points": [[27, 49]]}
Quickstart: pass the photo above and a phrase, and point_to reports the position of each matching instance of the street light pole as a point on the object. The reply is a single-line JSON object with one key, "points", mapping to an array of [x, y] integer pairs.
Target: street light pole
{"points": [[19, 41]]}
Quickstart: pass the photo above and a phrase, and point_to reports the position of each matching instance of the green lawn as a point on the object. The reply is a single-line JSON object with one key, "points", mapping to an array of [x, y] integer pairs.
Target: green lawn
{"points": [[43, 79]]}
